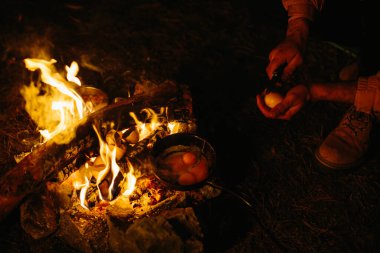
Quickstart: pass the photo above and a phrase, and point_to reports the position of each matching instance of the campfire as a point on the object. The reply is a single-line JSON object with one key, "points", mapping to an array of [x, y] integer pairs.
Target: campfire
{"points": [[90, 180]]}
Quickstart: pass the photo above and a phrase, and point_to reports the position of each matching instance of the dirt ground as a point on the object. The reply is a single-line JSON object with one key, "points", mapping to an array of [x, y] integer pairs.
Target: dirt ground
{"points": [[219, 49]]}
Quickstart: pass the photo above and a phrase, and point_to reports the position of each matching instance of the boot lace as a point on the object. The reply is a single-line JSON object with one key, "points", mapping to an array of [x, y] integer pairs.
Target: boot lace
{"points": [[357, 121]]}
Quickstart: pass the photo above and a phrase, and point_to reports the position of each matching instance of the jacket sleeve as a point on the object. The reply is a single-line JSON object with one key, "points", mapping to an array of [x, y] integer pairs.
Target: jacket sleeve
{"points": [[302, 8]]}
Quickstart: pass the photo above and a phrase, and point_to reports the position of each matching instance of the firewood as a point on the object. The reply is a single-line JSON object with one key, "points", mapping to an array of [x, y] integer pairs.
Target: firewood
{"points": [[36, 168], [49, 158]]}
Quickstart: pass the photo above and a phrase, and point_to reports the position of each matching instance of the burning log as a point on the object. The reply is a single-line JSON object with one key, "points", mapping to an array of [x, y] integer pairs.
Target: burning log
{"points": [[50, 158], [36, 168]]}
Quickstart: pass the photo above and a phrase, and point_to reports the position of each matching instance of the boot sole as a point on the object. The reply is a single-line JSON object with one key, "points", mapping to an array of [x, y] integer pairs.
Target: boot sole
{"points": [[330, 167]]}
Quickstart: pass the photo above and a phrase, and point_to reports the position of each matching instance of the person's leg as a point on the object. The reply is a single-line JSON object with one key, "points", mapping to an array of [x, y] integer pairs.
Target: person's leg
{"points": [[346, 146]]}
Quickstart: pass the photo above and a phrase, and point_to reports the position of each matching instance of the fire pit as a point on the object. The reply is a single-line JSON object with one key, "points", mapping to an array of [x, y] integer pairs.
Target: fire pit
{"points": [[91, 183]]}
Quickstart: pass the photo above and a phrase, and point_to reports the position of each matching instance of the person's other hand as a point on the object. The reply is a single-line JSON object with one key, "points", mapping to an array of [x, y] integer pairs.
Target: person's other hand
{"points": [[286, 53], [293, 101]]}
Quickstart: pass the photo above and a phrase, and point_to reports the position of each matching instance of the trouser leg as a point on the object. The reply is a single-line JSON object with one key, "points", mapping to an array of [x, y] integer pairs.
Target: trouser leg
{"points": [[367, 98]]}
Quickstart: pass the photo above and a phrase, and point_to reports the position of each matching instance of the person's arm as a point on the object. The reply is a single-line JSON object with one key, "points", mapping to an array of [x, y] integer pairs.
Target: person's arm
{"points": [[302, 8], [299, 95], [300, 14], [290, 51], [336, 92]]}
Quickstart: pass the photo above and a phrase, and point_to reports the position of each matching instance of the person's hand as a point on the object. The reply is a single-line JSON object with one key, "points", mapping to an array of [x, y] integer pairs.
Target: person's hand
{"points": [[286, 53], [293, 101], [290, 51]]}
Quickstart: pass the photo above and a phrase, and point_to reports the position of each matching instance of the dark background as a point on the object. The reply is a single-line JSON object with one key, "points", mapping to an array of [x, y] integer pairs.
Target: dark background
{"points": [[219, 49]]}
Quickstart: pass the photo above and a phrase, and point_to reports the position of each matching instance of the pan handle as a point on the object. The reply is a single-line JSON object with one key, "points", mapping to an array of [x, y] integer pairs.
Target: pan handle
{"points": [[233, 193]]}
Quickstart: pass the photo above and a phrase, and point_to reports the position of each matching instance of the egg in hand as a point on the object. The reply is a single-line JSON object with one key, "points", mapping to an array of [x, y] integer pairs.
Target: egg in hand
{"points": [[271, 99]]}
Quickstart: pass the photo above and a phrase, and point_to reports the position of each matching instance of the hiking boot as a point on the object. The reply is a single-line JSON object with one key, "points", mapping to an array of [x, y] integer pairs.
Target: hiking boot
{"points": [[345, 147]]}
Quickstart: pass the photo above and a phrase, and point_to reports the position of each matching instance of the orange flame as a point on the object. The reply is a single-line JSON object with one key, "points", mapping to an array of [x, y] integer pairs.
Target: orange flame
{"points": [[104, 155], [115, 170], [61, 106], [131, 181], [155, 121], [83, 186]]}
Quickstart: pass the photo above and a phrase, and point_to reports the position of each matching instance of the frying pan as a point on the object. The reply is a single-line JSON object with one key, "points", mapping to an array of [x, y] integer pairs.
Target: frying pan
{"points": [[185, 161]]}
